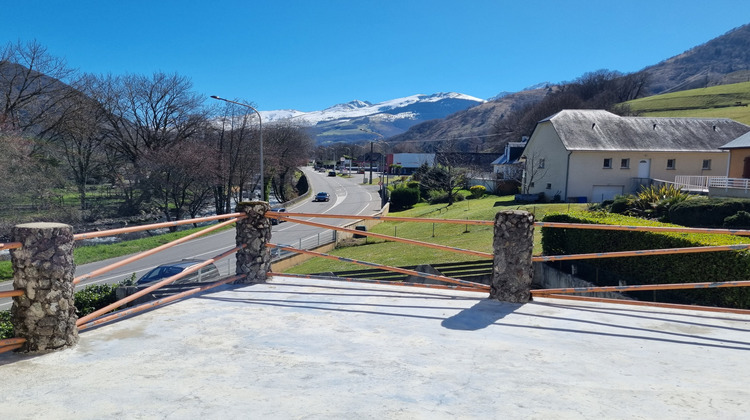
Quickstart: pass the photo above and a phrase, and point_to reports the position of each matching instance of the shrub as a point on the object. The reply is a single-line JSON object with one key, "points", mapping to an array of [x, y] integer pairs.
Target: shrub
{"points": [[6, 328], [740, 220], [477, 191], [437, 196], [709, 212], [93, 297], [404, 198]]}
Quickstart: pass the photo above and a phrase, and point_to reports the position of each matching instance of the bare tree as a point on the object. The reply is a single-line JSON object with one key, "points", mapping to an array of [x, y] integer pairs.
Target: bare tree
{"points": [[31, 87], [287, 147], [147, 115], [534, 168], [181, 181], [81, 137], [237, 140]]}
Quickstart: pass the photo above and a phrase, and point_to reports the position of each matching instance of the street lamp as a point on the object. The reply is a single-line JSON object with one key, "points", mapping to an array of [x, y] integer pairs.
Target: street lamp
{"points": [[260, 129]]}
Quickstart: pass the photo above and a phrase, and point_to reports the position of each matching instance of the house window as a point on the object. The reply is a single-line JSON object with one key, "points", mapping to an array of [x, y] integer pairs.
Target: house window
{"points": [[624, 163], [706, 164], [671, 163], [549, 186], [607, 163], [541, 163], [531, 185]]}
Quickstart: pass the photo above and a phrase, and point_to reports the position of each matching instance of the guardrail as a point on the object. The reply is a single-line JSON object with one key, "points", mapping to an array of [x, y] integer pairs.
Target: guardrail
{"points": [[511, 254]]}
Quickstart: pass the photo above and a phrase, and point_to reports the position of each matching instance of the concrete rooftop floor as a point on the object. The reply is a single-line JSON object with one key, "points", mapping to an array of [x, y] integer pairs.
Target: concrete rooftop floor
{"points": [[313, 349]]}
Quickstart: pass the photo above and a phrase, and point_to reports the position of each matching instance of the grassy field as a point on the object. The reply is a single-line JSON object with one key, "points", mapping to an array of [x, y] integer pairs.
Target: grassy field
{"points": [[478, 238], [711, 102]]}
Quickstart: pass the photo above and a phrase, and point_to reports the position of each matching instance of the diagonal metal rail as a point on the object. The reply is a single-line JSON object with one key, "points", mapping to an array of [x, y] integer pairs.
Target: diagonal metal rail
{"points": [[641, 253], [650, 304], [383, 282], [445, 279], [168, 280], [276, 215], [643, 287], [390, 238], [152, 251]]}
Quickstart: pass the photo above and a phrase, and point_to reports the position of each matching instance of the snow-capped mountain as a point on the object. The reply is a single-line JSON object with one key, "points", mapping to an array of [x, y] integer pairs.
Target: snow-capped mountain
{"points": [[358, 120]]}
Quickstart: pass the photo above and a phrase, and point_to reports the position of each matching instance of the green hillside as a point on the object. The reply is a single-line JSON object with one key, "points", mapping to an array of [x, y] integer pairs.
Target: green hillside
{"points": [[724, 101]]}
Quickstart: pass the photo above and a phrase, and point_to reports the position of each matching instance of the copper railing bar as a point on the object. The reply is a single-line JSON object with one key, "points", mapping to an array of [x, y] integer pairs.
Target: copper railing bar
{"points": [[155, 286], [651, 304], [385, 267], [641, 253], [110, 232], [11, 293], [156, 303], [152, 251], [383, 282], [392, 238], [10, 245], [276, 215], [741, 232], [644, 287]]}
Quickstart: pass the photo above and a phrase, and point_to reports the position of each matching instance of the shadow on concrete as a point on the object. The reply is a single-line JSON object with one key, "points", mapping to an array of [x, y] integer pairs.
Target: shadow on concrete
{"points": [[484, 313]]}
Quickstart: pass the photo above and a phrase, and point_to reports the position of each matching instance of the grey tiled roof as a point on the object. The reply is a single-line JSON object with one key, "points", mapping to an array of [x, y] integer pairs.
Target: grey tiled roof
{"points": [[602, 130]]}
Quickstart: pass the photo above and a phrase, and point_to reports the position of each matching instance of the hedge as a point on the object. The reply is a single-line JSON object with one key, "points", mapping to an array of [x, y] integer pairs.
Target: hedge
{"points": [[656, 269], [404, 198], [706, 212]]}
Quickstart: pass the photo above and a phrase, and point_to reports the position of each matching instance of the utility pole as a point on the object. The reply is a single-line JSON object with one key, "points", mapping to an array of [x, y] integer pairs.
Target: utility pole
{"points": [[371, 143]]}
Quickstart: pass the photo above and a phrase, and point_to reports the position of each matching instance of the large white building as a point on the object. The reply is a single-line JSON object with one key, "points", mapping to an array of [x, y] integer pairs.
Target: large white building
{"points": [[594, 155]]}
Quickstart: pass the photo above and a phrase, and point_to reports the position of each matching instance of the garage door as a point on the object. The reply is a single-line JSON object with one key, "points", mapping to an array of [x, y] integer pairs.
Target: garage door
{"points": [[606, 192]]}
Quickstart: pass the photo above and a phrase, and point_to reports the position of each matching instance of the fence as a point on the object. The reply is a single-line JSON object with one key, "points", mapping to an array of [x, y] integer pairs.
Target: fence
{"points": [[511, 278]]}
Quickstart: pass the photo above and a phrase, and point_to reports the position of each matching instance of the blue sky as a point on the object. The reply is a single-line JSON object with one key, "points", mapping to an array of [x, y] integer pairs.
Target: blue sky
{"points": [[309, 55]]}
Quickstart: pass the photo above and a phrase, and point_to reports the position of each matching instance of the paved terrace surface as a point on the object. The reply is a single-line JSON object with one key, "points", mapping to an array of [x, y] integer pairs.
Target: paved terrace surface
{"points": [[296, 348]]}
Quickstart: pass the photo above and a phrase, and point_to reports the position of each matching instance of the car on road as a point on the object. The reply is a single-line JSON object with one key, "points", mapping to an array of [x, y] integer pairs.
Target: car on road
{"points": [[321, 196], [205, 274], [331, 173], [277, 221]]}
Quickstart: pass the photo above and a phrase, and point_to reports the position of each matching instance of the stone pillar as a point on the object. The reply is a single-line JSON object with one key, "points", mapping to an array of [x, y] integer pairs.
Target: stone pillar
{"points": [[254, 261], [43, 267], [513, 246]]}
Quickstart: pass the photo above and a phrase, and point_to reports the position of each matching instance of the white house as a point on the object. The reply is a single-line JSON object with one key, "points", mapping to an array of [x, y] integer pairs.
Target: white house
{"points": [[507, 165], [594, 155]]}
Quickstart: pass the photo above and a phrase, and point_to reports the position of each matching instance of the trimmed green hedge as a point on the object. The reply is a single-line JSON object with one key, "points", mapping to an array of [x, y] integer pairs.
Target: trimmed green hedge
{"points": [[710, 212], [675, 268], [404, 198]]}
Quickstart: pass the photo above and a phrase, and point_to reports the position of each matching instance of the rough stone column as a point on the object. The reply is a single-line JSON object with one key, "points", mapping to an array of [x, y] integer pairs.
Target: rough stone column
{"points": [[43, 267], [513, 246], [254, 261]]}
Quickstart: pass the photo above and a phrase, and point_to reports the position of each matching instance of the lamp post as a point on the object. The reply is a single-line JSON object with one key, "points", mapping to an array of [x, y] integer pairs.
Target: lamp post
{"points": [[260, 129]]}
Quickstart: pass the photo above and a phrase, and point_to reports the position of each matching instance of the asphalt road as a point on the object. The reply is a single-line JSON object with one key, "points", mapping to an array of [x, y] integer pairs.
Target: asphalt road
{"points": [[348, 196]]}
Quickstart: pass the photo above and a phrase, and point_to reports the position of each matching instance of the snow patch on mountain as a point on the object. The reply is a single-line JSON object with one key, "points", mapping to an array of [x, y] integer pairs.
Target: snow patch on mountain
{"points": [[357, 108]]}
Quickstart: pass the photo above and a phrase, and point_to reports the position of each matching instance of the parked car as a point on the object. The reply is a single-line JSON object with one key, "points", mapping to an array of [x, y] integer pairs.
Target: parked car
{"points": [[322, 196], [206, 274], [331, 173], [277, 221]]}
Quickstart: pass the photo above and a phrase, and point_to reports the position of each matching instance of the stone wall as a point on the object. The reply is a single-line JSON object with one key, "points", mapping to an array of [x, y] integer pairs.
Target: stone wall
{"points": [[254, 231], [43, 267]]}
